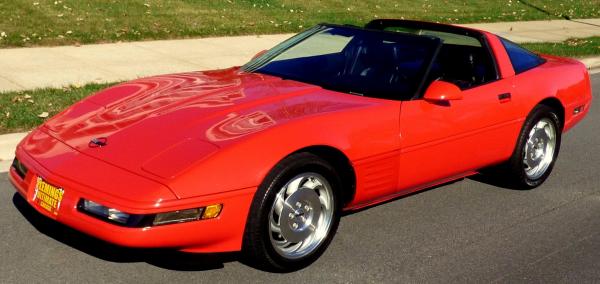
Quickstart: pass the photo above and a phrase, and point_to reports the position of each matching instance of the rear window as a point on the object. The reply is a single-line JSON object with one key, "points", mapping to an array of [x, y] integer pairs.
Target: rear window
{"points": [[448, 38], [521, 58]]}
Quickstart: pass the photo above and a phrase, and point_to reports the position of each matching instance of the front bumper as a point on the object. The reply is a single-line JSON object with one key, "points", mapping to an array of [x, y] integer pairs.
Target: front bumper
{"points": [[221, 234]]}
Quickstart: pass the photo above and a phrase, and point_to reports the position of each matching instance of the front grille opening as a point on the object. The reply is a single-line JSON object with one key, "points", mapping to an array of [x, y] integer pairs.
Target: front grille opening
{"points": [[19, 168]]}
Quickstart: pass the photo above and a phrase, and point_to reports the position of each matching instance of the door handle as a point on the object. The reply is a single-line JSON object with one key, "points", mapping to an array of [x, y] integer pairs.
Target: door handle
{"points": [[505, 97]]}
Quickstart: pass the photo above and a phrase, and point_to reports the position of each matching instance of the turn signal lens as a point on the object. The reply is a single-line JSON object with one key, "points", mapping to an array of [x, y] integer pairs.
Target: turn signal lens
{"points": [[177, 216], [212, 211]]}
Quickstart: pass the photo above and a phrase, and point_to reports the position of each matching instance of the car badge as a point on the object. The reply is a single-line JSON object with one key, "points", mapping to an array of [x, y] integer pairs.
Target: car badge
{"points": [[98, 142]]}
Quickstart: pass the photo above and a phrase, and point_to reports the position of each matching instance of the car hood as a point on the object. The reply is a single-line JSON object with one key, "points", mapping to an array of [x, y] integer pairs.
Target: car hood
{"points": [[142, 124]]}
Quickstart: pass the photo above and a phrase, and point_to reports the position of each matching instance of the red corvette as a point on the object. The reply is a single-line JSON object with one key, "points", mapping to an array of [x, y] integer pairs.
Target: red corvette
{"points": [[263, 158]]}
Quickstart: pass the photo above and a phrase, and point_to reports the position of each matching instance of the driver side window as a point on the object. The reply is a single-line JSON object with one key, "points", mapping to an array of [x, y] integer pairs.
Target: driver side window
{"points": [[462, 60], [464, 66]]}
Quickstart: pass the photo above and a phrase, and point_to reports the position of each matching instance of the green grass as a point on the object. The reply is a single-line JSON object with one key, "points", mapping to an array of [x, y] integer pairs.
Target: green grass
{"points": [[63, 22], [21, 111], [580, 47]]}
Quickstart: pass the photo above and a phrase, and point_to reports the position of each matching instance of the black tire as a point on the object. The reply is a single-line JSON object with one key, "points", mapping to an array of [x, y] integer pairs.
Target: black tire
{"points": [[514, 170], [257, 248]]}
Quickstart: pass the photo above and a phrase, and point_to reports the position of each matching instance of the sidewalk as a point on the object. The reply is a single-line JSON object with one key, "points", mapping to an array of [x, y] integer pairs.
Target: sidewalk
{"points": [[8, 143], [543, 31], [29, 68]]}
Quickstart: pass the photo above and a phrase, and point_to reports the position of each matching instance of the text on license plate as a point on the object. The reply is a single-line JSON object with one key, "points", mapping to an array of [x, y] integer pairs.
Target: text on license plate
{"points": [[48, 196]]}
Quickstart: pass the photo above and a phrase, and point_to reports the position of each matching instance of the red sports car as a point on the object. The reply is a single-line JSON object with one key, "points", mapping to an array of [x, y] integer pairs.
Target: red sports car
{"points": [[263, 158]]}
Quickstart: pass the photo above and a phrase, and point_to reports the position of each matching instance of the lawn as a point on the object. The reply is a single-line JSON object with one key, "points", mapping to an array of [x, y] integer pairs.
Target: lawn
{"points": [[64, 22], [21, 111], [576, 47]]}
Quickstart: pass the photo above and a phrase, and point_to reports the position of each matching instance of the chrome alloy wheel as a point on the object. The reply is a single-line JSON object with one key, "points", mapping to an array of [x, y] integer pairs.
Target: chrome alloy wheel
{"points": [[540, 147], [301, 216]]}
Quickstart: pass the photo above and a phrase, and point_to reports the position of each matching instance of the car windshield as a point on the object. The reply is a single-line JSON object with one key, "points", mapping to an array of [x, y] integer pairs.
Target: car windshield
{"points": [[371, 63]]}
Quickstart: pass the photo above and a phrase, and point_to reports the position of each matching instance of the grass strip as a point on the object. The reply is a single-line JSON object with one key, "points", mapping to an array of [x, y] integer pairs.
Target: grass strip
{"points": [[66, 22], [24, 110], [575, 47]]}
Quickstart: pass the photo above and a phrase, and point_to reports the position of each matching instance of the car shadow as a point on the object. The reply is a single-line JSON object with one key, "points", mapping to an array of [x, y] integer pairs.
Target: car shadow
{"points": [[163, 258], [495, 180]]}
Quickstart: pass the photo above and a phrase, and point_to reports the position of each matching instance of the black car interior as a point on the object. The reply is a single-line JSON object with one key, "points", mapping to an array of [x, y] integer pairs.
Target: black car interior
{"points": [[465, 64], [382, 69]]}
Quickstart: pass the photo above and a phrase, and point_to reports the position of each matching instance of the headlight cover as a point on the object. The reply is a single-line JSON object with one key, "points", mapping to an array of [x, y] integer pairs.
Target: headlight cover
{"points": [[19, 168], [121, 218], [111, 215]]}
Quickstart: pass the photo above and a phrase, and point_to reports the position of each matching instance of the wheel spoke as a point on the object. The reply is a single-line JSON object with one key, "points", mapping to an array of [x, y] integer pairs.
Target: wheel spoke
{"points": [[324, 202], [294, 247], [274, 226], [293, 186], [281, 243], [549, 133], [312, 183], [279, 202], [531, 134]]}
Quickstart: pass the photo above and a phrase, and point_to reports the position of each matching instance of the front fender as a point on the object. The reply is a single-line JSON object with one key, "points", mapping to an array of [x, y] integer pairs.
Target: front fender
{"points": [[245, 161]]}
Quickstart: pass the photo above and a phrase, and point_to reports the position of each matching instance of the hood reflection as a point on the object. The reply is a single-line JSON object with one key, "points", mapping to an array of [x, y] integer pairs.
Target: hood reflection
{"points": [[126, 104], [235, 126]]}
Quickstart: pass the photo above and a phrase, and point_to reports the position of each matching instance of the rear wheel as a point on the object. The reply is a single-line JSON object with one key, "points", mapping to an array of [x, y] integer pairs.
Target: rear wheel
{"points": [[537, 149], [294, 214]]}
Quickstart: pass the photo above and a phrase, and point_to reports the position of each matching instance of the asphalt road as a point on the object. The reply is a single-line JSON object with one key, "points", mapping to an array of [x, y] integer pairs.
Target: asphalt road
{"points": [[467, 231]]}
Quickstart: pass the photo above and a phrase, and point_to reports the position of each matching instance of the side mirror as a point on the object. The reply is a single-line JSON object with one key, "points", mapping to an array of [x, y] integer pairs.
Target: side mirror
{"points": [[440, 91], [259, 54]]}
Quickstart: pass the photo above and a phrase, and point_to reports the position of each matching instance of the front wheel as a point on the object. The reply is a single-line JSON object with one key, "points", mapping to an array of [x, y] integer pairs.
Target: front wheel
{"points": [[537, 149], [294, 215]]}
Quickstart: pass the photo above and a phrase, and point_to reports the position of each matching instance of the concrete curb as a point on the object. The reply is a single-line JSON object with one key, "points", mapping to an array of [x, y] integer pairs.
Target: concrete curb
{"points": [[591, 62], [8, 143]]}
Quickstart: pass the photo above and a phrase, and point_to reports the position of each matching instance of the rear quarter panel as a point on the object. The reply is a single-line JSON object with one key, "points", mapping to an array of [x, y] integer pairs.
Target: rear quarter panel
{"points": [[564, 79]]}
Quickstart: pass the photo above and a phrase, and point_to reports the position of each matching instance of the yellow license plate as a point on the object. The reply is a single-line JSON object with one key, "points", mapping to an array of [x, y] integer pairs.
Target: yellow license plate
{"points": [[48, 196]]}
